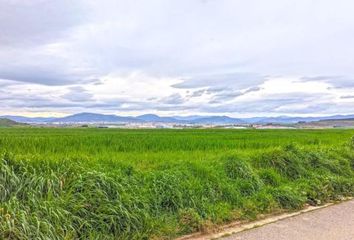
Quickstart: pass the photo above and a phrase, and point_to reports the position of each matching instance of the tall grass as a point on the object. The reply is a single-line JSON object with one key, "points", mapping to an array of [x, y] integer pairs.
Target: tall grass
{"points": [[144, 184]]}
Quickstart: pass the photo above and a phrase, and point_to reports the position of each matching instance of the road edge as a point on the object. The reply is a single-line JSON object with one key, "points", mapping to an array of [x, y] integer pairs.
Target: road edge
{"points": [[236, 227]]}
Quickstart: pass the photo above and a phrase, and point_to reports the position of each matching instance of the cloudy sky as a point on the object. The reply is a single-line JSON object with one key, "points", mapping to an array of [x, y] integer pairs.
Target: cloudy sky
{"points": [[177, 57]]}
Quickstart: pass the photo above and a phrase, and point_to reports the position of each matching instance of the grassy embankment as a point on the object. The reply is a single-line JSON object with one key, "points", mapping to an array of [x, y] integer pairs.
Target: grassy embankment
{"points": [[143, 184]]}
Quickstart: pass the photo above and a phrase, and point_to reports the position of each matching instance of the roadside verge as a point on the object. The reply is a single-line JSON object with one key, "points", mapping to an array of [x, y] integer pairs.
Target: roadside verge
{"points": [[239, 226]]}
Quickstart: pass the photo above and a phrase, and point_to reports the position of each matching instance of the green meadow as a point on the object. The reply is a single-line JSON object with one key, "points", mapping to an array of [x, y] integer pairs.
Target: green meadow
{"points": [[62, 183]]}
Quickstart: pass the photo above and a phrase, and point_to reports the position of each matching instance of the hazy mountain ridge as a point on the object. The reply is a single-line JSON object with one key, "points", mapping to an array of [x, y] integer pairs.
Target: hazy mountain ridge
{"points": [[104, 118], [156, 118], [28, 119], [93, 118], [5, 122]]}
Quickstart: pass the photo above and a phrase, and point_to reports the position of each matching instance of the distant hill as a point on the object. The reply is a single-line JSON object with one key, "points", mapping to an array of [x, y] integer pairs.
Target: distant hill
{"points": [[330, 123], [217, 120], [156, 118], [291, 120], [22, 119], [190, 119], [4, 122], [153, 118], [94, 118], [335, 120]]}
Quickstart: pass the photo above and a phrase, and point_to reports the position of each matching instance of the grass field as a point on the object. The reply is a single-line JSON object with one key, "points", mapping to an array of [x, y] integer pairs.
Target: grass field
{"points": [[160, 184]]}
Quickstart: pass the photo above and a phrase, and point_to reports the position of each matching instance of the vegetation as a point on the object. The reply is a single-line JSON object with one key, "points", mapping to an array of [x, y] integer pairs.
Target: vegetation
{"points": [[159, 184], [4, 122]]}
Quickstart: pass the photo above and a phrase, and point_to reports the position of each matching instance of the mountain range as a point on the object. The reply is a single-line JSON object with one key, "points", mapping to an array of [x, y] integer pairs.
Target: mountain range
{"points": [[152, 118]]}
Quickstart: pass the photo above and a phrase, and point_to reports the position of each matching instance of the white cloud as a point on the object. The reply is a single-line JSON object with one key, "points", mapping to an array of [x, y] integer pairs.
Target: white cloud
{"points": [[185, 56], [138, 93]]}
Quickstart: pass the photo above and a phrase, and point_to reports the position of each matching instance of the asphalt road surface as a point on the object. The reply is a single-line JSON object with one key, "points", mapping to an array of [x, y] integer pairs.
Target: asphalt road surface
{"points": [[332, 223]]}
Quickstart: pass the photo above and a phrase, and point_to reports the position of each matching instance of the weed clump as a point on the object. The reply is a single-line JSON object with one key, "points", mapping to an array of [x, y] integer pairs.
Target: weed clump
{"points": [[237, 168], [289, 161], [189, 220], [247, 180]]}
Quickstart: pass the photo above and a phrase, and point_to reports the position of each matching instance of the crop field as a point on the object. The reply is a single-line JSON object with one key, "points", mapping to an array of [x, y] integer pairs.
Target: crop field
{"points": [[62, 183]]}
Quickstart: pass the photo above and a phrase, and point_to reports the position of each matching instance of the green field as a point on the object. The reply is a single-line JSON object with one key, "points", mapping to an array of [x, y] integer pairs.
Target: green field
{"points": [[160, 184]]}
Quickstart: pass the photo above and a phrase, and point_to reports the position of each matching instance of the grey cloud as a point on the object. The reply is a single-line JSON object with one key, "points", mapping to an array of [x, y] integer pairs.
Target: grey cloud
{"points": [[38, 74], [5, 83], [310, 109], [31, 23], [37, 103], [116, 36], [78, 94], [212, 90], [175, 108], [347, 97], [335, 81], [253, 89], [229, 80], [270, 104], [29, 31], [229, 94], [37, 65], [172, 99], [325, 107], [226, 96], [223, 92], [106, 105], [197, 93]]}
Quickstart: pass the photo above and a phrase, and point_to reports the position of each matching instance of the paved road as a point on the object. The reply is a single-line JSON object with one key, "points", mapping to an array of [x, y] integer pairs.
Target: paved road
{"points": [[331, 223]]}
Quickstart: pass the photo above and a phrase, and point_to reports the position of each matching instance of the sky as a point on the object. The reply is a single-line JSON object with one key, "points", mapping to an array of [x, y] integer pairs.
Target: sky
{"points": [[177, 57]]}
